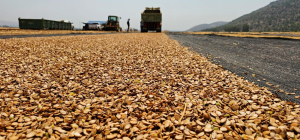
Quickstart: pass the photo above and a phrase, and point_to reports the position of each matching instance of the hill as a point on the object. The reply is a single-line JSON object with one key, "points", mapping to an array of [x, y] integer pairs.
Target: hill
{"points": [[9, 23], [206, 26], [280, 15]]}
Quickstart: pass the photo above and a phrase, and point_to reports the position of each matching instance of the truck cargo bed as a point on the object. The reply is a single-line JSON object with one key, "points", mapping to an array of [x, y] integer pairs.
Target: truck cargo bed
{"points": [[42, 24], [151, 19]]}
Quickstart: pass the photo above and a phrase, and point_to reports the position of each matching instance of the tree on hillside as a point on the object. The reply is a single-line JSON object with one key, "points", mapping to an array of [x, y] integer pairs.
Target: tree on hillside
{"points": [[246, 28], [231, 28]]}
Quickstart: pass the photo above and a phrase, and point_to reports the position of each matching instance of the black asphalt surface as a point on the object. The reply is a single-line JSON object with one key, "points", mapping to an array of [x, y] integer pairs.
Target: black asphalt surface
{"points": [[272, 36], [276, 61], [49, 35], [294, 35]]}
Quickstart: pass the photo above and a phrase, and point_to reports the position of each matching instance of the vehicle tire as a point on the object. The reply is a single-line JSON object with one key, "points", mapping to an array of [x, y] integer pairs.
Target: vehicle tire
{"points": [[158, 31], [143, 31]]}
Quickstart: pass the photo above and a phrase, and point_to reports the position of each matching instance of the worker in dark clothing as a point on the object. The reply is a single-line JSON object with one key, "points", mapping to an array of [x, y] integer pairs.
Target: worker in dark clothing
{"points": [[128, 24]]}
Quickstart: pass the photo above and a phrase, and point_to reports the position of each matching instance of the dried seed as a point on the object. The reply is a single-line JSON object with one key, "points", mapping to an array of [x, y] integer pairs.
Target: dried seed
{"points": [[219, 136], [31, 134], [111, 136], [179, 137], [208, 128]]}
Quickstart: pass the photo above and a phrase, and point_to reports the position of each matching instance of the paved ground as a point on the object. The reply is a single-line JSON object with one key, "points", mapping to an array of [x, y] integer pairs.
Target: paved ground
{"points": [[263, 61], [295, 35]]}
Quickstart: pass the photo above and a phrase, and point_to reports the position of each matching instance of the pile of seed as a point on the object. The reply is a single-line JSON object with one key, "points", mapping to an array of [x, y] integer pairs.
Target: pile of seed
{"points": [[130, 86]]}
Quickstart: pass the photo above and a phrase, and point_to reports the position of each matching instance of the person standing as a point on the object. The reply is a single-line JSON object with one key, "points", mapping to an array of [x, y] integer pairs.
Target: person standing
{"points": [[128, 24]]}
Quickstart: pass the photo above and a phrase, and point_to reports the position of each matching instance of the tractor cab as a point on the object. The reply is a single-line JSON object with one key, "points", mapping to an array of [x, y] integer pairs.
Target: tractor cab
{"points": [[112, 24], [113, 18]]}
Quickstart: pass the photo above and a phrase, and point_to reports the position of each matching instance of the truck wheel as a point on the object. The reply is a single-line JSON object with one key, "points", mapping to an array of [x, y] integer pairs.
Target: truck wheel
{"points": [[143, 31], [158, 31]]}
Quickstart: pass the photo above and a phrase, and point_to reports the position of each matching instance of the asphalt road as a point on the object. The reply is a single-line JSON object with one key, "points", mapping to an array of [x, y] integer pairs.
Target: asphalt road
{"points": [[263, 61]]}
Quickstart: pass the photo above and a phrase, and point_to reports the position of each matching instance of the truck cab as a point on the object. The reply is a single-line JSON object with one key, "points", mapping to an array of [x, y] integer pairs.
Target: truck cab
{"points": [[92, 26]]}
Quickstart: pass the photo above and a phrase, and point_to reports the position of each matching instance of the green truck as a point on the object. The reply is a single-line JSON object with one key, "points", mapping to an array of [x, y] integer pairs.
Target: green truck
{"points": [[151, 20], [44, 24]]}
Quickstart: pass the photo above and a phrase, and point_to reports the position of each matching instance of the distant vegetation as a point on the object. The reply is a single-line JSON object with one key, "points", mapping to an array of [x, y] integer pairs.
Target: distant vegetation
{"points": [[206, 26], [8, 23], [281, 15], [231, 28], [4, 26]]}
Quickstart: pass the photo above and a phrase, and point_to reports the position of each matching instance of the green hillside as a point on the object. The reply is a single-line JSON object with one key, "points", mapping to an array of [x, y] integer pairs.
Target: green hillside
{"points": [[206, 26], [281, 15]]}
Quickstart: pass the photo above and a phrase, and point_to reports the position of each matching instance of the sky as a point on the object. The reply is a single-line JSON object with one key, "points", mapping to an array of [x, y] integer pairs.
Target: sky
{"points": [[178, 15]]}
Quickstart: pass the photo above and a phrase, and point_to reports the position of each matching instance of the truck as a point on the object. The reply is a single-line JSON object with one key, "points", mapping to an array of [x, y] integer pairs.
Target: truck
{"points": [[93, 25], [66, 22], [112, 24], [151, 19], [45, 24]]}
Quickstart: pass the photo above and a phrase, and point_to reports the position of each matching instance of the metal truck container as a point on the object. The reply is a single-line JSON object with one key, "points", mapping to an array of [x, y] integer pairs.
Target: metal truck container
{"points": [[44, 24], [151, 19]]}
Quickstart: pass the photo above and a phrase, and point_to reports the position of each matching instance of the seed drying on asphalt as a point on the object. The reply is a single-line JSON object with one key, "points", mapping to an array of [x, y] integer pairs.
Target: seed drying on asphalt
{"points": [[130, 86]]}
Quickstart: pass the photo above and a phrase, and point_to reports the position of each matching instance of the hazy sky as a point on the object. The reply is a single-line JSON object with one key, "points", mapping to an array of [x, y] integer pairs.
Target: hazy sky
{"points": [[177, 14]]}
